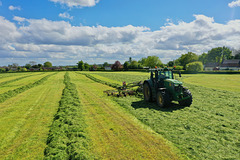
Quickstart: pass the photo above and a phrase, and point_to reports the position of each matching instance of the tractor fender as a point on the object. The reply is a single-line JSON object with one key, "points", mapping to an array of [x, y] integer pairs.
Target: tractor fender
{"points": [[149, 82]]}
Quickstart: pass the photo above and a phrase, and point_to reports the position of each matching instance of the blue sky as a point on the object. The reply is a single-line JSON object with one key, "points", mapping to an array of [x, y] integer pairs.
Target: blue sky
{"points": [[95, 31]]}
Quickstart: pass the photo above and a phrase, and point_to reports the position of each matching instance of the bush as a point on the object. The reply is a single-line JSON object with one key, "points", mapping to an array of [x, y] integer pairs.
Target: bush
{"points": [[194, 66], [179, 68], [23, 69]]}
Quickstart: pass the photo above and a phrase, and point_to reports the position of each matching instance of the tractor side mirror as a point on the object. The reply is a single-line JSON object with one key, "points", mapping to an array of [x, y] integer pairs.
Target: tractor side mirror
{"points": [[179, 74]]}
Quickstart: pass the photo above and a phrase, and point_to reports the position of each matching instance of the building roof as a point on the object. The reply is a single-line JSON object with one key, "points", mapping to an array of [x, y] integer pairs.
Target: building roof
{"points": [[231, 63], [211, 64]]}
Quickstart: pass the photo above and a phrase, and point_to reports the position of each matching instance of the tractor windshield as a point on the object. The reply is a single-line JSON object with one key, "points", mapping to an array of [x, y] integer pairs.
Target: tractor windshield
{"points": [[168, 74]]}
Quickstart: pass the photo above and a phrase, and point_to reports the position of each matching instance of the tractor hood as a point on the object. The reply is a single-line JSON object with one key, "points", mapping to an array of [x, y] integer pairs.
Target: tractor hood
{"points": [[174, 81]]}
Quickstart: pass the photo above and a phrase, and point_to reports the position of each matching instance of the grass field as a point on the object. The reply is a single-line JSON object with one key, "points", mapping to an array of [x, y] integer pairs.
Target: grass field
{"points": [[82, 122], [25, 119], [209, 129]]}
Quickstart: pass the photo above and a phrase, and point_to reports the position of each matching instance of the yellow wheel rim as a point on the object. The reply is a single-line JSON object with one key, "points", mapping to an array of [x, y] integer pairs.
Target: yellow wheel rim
{"points": [[160, 100]]}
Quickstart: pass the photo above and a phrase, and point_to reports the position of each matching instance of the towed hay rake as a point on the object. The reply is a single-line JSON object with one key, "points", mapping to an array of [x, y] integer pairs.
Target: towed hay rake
{"points": [[134, 88]]}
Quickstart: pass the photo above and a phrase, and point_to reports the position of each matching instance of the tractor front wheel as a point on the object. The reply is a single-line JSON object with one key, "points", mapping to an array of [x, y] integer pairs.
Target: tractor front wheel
{"points": [[163, 99], [186, 102], [147, 92]]}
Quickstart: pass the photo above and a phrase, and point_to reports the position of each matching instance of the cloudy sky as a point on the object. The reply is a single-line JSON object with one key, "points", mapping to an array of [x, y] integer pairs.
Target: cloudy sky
{"points": [[97, 31]]}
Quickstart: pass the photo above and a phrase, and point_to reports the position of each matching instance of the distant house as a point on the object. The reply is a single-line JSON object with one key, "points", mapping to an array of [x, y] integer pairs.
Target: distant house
{"points": [[108, 68], [34, 69], [211, 66], [233, 64]]}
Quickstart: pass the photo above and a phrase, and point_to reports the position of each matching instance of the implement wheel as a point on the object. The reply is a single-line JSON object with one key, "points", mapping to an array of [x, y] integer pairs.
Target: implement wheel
{"points": [[163, 99], [147, 92]]}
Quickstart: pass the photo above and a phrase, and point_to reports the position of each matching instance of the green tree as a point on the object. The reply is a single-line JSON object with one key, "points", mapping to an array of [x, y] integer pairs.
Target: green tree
{"points": [[187, 58], [126, 65], [28, 66], [18, 68], [80, 65], [133, 65], [219, 54], [40, 65], [23, 69], [140, 66], [86, 66], [237, 54], [47, 64], [2, 69], [170, 64], [194, 66], [203, 58], [142, 61], [153, 61], [130, 59], [105, 64]]}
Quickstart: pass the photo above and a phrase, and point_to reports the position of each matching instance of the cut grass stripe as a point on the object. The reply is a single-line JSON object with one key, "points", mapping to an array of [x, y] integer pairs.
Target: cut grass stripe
{"points": [[12, 93], [114, 85], [14, 80], [67, 137]]}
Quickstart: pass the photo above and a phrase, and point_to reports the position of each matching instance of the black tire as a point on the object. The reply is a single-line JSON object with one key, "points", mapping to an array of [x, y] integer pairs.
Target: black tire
{"points": [[147, 93], [186, 102], [163, 99]]}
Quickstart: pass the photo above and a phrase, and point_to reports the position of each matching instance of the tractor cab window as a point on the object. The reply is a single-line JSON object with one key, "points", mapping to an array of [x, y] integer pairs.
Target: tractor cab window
{"points": [[161, 75], [168, 74]]}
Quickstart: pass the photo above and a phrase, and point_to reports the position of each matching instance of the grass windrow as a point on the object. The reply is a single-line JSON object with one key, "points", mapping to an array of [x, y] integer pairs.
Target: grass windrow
{"points": [[67, 137]]}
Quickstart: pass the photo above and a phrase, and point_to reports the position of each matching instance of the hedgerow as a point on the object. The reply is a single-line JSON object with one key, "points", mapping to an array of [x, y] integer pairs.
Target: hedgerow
{"points": [[67, 137], [12, 93]]}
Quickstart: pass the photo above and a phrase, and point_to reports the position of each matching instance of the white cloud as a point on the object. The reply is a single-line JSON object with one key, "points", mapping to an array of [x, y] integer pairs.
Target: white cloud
{"points": [[0, 3], [12, 8], [234, 4], [77, 3], [61, 42], [65, 15], [19, 19]]}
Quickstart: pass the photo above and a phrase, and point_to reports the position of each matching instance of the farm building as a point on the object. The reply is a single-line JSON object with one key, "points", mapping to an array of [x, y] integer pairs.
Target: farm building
{"points": [[233, 64], [108, 68], [211, 66]]}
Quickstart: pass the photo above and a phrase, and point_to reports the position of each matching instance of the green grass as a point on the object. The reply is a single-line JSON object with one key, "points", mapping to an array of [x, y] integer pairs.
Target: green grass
{"points": [[225, 82], [25, 120], [128, 77], [116, 134], [13, 77], [208, 129], [22, 82], [14, 92]]}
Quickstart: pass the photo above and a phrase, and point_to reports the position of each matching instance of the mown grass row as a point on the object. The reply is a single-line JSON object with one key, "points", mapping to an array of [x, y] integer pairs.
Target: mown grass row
{"points": [[14, 80], [67, 137], [12, 93], [114, 85]]}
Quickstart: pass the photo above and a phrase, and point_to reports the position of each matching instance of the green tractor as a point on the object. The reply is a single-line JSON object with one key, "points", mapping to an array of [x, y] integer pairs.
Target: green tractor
{"points": [[163, 88]]}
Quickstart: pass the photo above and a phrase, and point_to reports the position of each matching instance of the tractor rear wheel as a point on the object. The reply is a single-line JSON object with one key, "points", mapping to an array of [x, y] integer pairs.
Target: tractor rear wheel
{"points": [[163, 99], [186, 102], [147, 92]]}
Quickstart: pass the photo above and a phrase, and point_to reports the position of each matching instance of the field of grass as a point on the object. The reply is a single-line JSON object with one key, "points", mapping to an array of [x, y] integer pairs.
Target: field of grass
{"points": [[22, 82], [66, 115], [25, 119], [216, 81], [114, 133], [209, 129]]}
